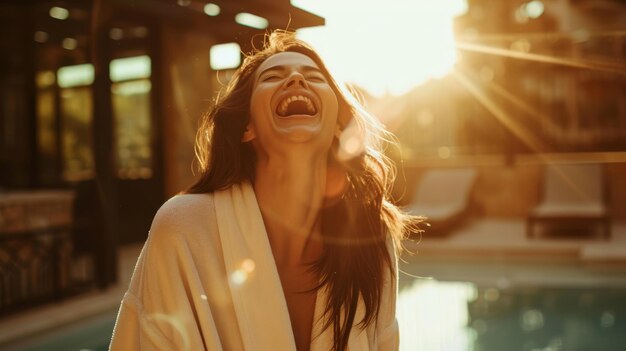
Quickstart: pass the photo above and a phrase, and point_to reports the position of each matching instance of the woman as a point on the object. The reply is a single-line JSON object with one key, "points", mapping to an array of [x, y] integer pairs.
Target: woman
{"points": [[287, 239]]}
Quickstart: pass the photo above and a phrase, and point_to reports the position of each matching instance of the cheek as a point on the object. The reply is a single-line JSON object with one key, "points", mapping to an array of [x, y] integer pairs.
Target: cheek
{"points": [[254, 103], [330, 101], [333, 108], [257, 106]]}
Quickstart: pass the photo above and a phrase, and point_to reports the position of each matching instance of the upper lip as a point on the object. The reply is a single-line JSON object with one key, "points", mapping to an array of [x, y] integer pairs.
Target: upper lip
{"points": [[289, 94]]}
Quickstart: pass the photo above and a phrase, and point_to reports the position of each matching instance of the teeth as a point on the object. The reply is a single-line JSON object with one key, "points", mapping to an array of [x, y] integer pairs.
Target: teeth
{"points": [[283, 106]]}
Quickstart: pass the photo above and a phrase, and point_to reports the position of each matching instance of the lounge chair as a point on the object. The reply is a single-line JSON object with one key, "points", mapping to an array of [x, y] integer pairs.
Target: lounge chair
{"points": [[573, 195], [442, 196]]}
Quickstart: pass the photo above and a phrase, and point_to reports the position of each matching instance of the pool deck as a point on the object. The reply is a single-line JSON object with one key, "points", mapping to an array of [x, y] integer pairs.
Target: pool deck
{"points": [[507, 237], [486, 237], [16, 331]]}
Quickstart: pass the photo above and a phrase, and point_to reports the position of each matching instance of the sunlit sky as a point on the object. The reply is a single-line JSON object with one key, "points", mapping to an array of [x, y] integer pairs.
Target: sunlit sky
{"points": [[385, 46]]}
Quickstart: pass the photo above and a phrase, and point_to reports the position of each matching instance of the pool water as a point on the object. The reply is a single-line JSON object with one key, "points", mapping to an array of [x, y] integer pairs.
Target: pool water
{"points": [[90, 334], [483, 305], [550, 319], [459, 316]]}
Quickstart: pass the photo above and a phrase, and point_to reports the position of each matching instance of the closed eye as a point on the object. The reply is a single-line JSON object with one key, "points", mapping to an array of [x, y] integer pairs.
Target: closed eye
{"points": [[272, 77], [316, 78]]}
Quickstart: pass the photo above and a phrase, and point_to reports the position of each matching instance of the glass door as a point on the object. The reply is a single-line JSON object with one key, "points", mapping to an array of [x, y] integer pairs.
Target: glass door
{"points": [[135, 126]]}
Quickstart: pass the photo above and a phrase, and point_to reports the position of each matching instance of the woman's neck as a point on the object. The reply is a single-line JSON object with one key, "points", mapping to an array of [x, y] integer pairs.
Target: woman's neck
{"points": [[290, 192]]}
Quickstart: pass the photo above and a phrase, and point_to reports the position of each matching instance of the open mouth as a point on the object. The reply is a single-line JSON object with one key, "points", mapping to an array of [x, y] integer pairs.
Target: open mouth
{"points": [[296, 105]]}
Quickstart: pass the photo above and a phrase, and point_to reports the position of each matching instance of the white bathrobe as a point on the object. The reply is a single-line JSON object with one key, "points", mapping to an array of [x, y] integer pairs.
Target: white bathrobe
{"points": [[206, 280]]}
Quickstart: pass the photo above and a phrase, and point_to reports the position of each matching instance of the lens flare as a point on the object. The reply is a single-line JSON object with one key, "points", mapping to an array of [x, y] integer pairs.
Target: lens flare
{"points": [[248, 265], [238, 277], [241, 275], [351, 143]]}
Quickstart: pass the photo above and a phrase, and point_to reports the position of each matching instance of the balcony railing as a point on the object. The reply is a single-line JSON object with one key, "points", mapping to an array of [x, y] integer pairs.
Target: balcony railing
{"points": [[37, 263]]}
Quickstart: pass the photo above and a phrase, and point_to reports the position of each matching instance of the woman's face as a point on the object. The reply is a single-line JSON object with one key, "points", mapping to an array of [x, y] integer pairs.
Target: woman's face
{"points": [[292, 102]]}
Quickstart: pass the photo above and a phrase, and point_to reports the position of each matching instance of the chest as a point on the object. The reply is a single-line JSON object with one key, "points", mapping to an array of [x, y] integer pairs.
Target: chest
{"points": [[300, 303]]}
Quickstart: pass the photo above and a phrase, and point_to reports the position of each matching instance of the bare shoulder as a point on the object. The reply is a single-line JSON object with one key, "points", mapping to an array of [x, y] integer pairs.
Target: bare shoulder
{"points": [[184, 214]]}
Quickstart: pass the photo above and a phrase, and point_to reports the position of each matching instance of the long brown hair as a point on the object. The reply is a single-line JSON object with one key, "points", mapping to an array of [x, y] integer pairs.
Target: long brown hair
{"points": [[354, 228]]}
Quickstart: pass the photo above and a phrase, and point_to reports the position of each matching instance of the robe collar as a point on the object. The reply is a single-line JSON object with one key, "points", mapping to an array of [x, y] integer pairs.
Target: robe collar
{"points": [[256, 290]]}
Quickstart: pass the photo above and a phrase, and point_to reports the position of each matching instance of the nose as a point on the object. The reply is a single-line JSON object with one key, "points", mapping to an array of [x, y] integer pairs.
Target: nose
{"points": [[295, 80]]}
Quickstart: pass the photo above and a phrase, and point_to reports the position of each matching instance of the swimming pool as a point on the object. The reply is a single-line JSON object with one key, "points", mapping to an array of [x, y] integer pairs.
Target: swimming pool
{"points": [[466, 304], [503, 305], [89, 334]]}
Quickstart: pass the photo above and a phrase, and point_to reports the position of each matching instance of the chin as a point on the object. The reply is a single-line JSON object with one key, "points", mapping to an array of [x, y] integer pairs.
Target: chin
{"points": [[307, 135]]}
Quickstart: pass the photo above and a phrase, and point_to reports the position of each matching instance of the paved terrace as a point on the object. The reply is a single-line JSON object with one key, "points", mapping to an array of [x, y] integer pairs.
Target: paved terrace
{"points": [[507, 237], [500, 238]]}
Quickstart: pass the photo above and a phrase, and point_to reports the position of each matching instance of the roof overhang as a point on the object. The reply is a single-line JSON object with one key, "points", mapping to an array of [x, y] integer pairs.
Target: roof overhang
{"points": [[280, 14]]}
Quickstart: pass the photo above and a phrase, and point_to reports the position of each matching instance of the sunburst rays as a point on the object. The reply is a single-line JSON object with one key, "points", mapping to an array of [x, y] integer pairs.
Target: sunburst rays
{"points": [[480, 90], [519, 130], [475, 44], [576, 35], [598, 65]]}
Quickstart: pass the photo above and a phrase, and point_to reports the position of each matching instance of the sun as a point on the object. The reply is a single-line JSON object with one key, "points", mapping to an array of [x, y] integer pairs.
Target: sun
{"points": [[385, 46]]}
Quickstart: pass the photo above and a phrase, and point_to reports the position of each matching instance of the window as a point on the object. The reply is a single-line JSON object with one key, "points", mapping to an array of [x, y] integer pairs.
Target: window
{"points": [[46, 127], [76, 105], [130, 95]]}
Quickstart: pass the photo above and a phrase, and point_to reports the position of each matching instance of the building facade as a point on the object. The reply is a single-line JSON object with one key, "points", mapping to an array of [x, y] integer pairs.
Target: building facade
{"points": [[536, 83], [102, 99]]}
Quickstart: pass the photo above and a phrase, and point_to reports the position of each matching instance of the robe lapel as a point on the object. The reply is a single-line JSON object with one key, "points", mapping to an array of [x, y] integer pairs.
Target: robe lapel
{"points": [[257, 293], [254, 283]]}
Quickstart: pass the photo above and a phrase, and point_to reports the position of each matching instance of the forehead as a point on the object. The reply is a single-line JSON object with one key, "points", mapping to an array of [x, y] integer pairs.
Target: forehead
{"points": [[286, 59]]}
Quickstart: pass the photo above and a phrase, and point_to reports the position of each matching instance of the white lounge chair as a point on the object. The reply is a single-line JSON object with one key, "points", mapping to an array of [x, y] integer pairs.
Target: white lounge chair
{"points": [[573, 194], [442, 196]]}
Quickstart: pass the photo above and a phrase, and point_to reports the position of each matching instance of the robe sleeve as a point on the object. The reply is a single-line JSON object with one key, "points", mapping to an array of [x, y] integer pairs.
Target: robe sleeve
{"points": [[133, 332], [165, 307], [388, 334]]}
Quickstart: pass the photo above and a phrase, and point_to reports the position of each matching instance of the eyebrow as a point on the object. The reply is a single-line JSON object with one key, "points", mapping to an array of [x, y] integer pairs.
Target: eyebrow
{"points": [[305, 68]]}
